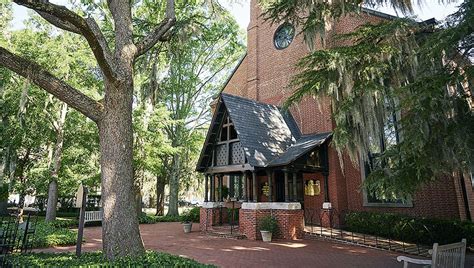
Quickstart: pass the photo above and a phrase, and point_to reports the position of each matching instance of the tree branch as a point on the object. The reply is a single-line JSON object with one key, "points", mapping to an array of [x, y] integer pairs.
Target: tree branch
{"points": [[53, 85], [159, 32], [65, 19]]}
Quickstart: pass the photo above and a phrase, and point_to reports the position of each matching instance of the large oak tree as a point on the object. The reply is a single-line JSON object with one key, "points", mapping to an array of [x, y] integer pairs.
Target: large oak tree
{"points": [[112, 114]]}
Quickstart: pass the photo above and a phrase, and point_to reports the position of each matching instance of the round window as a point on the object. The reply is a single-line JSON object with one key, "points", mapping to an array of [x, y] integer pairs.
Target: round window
{"points": [[284, 36]]}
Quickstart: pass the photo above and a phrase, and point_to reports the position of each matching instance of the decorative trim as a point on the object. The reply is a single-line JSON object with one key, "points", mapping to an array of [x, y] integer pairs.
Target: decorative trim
{"points": [[271, 205]]}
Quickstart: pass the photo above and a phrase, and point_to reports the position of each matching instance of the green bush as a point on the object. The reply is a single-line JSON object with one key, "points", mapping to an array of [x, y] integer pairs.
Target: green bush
{"points": [[96, 259], [194, 214], [269, 223], [410, 229], [149, 219], [3, 192], [191, 215], [49, 235]]}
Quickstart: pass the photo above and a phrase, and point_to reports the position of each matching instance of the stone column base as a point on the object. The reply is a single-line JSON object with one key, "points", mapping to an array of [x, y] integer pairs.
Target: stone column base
{"points": [[290, 218]]}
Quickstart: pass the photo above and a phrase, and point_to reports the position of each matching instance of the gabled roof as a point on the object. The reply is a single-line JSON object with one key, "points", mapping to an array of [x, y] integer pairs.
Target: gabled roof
{"points": [[269, 136], [261, 128]]}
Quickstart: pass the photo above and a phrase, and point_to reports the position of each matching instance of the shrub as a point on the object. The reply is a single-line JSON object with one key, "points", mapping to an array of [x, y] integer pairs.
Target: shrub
{"points": [[194, 214], [49, 235], [269, 223], [96, 259], [410, 229], [3, 192], [149, 219]]}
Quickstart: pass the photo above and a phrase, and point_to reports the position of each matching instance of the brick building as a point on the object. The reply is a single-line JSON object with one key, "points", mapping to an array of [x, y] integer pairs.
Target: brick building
{"points": [[280, 163]]}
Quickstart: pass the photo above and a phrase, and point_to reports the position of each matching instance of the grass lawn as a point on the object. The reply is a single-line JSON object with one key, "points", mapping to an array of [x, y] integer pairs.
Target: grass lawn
{"points": [[96, 259]]}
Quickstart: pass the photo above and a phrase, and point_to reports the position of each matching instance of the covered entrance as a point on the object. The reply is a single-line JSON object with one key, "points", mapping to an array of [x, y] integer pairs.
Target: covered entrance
{"points": [[256, 163]]}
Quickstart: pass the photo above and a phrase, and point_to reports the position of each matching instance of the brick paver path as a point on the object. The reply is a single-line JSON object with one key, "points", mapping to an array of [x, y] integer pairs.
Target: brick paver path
{"points": [[169, 237]]}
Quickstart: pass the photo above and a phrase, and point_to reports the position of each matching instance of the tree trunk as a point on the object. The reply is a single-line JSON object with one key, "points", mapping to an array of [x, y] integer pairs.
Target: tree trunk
{"points": [[120, 232], [58, 150], [174, 188], [160, 196], [52, 201], [138, 200]]}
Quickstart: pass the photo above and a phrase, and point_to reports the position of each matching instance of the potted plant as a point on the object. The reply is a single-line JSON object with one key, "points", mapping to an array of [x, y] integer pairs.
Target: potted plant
{"points": [[268, 226], [189, 217]]}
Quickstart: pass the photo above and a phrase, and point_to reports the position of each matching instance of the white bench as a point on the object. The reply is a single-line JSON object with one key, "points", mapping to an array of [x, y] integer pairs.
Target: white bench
{"points": [[90, 216], [445, 256]]}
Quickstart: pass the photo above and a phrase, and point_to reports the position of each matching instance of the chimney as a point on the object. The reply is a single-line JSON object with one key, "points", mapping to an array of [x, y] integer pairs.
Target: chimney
{"points": [[252, 50]]}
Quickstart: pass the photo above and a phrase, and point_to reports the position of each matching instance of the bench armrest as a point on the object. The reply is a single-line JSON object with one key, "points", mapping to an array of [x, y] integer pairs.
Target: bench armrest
{"points": [[412, 260]]}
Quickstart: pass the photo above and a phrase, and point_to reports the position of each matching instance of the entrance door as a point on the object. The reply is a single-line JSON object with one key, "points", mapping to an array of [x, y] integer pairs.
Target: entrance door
{"points": [[279, 186]]}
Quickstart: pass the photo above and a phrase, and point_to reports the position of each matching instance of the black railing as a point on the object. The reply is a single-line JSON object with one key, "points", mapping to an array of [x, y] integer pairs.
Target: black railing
{"points": [[329, 224]]}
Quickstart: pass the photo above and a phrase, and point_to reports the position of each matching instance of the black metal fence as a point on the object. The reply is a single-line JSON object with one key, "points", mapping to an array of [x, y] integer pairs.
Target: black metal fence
{"points": [[16, 235], [330, 224]]}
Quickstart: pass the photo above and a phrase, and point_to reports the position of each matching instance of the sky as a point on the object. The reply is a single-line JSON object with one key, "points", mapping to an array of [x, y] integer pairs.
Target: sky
{"points": [[241, 11]]}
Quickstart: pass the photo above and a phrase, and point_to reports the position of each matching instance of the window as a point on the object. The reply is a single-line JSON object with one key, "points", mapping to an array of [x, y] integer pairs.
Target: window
{"points": [[389, 137], [284, 36]]}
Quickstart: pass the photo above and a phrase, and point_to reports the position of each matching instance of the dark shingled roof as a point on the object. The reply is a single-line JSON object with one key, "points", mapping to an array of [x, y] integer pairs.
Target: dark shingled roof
{"points": [[302, 146], [269, 136], [261, 128]]}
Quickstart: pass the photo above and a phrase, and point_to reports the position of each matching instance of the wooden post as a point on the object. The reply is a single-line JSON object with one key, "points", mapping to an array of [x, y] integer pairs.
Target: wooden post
{"points": [[270, 185], [287, 197], [244, 180], [213, 188], [220, 187], [206, 187], [254, 186], [80, 231], [295, 195]]}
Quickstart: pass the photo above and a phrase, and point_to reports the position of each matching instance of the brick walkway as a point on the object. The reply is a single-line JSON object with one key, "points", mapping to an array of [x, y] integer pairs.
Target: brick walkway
{"points": [[169, 237]]}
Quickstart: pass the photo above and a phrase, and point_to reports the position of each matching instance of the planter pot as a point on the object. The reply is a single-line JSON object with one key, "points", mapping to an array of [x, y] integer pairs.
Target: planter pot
{"points": [[266, 236], [187, 227]]}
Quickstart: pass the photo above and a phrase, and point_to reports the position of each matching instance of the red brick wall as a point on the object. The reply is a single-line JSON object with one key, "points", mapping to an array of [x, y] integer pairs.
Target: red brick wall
{"points": [[212, 216], [290, 223], [264, 75]]}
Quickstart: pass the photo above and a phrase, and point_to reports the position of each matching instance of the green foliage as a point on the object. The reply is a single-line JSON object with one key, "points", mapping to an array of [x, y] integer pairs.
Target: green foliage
{"points": [[191, 215], [410, 229], [3, 192], [148, 219], [194, 214], [96, 259], [268, 223], [397, 68], [53, 234]]}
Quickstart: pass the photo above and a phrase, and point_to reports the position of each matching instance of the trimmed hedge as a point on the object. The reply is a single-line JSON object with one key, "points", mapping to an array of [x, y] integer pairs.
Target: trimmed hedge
{"points": [[96, 259], [410, 229]]}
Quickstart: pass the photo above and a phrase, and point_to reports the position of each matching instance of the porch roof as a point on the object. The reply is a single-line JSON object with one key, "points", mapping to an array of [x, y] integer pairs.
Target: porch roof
{"points": [[268, 135]]}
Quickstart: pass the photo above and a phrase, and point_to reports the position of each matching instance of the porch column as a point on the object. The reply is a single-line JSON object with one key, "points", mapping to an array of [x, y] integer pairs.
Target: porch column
{"points": [[206, 187], [287, 197], [244, 185], [220, 187], [254, 186], [213, 188], [270, 185], [295, 195], [326, 186]]}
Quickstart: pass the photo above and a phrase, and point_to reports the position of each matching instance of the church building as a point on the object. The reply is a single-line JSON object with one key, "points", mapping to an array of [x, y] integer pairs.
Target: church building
{"points": [[262, 160]]}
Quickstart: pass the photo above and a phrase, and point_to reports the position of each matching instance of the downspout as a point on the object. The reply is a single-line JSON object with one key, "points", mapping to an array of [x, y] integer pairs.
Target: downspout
{"points": [[464, 196]]}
